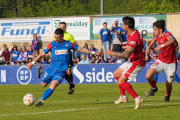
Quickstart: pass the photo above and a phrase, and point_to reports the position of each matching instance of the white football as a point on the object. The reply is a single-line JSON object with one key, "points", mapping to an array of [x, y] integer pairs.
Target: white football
{"points": [[28, 99]]}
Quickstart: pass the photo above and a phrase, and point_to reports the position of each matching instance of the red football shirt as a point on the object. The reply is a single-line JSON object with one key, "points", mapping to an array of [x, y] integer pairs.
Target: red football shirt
{"points": [[168, 53], [135, 40]]}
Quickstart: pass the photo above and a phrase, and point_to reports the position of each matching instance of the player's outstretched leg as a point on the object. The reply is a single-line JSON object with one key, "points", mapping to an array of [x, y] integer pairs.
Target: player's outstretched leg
{"points": [[138, 99], [47, 93], [149, 76], [128, 88], [168, 91], [122, 98]]}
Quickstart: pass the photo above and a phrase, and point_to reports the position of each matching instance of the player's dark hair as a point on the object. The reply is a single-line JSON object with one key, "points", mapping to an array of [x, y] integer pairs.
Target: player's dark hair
{"points": [[160, 24], [63, 23], [129, 21], [59, 31], [105, 23]]}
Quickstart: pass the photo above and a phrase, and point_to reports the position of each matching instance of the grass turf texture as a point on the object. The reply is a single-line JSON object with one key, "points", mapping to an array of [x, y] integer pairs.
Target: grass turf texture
{"points": [[90, 102]]}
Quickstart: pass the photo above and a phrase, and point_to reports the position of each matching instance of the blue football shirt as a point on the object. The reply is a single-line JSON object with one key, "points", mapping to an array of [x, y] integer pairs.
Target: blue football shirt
{"points": [[60, 54], [105, 35]]}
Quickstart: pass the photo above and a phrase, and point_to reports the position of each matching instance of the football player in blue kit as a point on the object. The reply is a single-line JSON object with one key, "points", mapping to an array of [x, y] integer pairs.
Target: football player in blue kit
{"points": [[60, 50]]}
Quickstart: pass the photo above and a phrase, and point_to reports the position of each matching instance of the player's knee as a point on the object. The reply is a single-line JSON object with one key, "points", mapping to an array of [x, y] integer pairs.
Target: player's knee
{"points": [[115, 74], [148, 76], [69, 72], [43, 85]]}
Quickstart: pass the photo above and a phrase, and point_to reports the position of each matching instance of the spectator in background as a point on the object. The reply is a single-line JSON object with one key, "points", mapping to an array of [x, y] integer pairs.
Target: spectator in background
{"points": [[93, 59], [124, 42], [92, 48], [120, 31], [15, 54], [1, 58], [7, 56], [29, 60], [86, 47], [116, 43], [109, 60], [119, 60], [155, 57], [43, 60], [78, 60], [30, 53], [104, 37], [35, 42], [23, 58], [151, 53], [36, 53], [84, 60], [101, 60]]}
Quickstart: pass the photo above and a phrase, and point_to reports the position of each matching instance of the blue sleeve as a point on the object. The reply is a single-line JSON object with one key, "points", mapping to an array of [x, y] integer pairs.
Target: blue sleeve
{"points": [[122, 30], [101, 32], [113, 28], [174, 38], [109, 32], [47, 49], [74, 47]]}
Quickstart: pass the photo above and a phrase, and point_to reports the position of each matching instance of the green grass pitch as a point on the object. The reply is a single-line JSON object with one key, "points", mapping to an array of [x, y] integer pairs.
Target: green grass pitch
{"points": [[89, 102]]}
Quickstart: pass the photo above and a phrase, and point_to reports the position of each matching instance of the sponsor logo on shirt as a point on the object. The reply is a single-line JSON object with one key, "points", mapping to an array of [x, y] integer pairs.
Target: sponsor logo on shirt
{"points": [[59, 52], [132, 43], [105, 32]]}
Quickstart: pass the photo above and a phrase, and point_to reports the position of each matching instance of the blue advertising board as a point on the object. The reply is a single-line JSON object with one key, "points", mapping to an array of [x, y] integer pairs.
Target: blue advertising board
{"points": [[82, 74]]}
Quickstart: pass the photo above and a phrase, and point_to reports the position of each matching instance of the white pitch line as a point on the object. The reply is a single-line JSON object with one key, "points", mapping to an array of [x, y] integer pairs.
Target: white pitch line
{"points": [[58, 111], [112, 100]]}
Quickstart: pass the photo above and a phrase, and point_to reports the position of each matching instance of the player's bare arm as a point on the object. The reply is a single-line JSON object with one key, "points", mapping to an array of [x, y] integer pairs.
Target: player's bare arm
{"points": [[84, 50], [29, 65], [151, 44], [169, 42], [125, 54]]}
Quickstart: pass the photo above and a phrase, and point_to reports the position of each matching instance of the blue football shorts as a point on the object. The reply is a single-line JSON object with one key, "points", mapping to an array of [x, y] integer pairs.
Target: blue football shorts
{"points": [[52, 74]]}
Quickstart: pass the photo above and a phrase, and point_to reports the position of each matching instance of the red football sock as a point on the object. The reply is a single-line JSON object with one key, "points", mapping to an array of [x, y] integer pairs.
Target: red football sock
{"points": [[168, 93], [126, 86], [122, 91], [152, 83]]}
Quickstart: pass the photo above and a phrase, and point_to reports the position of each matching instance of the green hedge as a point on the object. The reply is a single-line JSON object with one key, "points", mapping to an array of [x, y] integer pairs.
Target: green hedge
{"points": [[41, 8]]}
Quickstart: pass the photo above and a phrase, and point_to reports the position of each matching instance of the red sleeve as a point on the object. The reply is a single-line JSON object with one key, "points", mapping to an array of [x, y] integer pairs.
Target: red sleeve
{"points": [[133, 42], [168, 34], [49, 46], [72, 45]]}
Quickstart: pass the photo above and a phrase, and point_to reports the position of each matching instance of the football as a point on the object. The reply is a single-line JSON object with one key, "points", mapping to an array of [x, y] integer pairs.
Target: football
{"points": [[29, 99]]}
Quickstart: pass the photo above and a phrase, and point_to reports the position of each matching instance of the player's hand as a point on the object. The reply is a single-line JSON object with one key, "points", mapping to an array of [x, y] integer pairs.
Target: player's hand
{"points": [[157, 48], [29, 66], [99, 53], [147, 58], [109, 52]]}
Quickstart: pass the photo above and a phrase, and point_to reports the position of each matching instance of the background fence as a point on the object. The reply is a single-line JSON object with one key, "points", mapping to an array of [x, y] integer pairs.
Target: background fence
{"points": [[44, 8]]}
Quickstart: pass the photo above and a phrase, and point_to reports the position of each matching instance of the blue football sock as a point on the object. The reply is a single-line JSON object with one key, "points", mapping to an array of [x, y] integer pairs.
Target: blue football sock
{"points": [[46, 94], [155, 78], [177, 79]]}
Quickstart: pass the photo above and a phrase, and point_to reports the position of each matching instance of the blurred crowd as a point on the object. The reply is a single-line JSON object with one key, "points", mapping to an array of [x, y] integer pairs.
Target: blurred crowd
{"points": [[114, 39]]}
